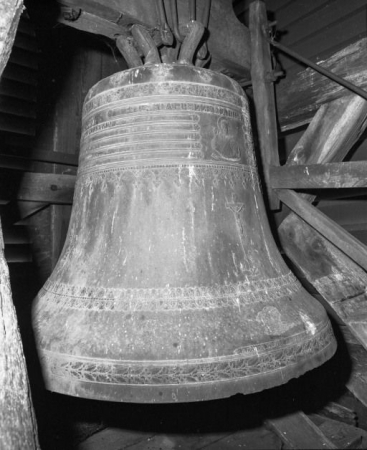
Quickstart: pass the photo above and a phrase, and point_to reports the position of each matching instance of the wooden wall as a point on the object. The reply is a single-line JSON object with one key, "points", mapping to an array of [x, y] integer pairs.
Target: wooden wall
{"points": [[41, 97]]}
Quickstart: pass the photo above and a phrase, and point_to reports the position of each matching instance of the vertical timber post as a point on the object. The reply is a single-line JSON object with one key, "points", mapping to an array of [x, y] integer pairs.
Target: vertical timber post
{"points": [[18, 429], [264, 98]]}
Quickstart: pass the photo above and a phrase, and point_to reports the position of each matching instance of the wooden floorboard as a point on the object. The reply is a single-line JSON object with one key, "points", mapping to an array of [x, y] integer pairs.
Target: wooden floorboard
{"points": [[118, 439]]}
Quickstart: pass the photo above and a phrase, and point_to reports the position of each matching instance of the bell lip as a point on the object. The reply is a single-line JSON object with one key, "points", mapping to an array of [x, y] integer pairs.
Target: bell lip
{"points": [[185, 393]]}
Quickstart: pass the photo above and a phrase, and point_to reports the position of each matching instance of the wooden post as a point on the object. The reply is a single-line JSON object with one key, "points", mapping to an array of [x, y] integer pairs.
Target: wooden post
{"points": [[261, 75], [18, 429]]}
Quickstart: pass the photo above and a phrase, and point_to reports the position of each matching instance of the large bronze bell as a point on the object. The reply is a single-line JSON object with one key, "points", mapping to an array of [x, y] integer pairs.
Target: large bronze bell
{"points": [[170, 287]]}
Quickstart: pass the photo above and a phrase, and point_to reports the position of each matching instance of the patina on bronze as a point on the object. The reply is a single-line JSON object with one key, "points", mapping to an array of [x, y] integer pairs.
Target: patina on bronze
{"points": [[170, 287]]}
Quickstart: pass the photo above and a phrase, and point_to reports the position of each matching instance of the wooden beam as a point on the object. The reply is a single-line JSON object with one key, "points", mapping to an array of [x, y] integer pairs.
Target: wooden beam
{"points": [[325, 226], [332, 132], [93, 24], [299, 97], [228, 39], [47, 187], [297, 431], [320, 176], [24, 163], [261, 69], [341, 434], [340, 282]]}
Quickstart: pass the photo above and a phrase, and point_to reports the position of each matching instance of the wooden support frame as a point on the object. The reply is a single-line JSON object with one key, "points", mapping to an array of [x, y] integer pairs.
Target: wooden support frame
{"points": [[299, 98], [262, 84], [320, 176], [47, 187], [340, 281], [326, 227]]}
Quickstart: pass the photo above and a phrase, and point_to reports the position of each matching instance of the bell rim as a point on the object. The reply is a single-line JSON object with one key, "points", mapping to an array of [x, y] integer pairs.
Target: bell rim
{"points": [[187, 393], [61, 374]]}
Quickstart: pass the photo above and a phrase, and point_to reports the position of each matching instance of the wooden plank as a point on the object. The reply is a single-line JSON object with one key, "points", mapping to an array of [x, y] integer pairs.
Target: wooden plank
{"points": [[15, 235], [254, 439], [24, 58], [18, 253], [69, 159], [47, 187], [350, 214], [170, 441], [26, 27], [329, 40], [357, 381], [93, 24], [341, 434], [19, 125], [21, 74], [17, 107], [320, 176], [264, 98], [113, 439], [13, 143], [26, 43], [28, 163], [96, 8], [325, 226], [25, 209], [334, 129], [340, 282], [311, 18], [17, 90], [117, 438], [297, 431], [340, 413], [299, 97]]}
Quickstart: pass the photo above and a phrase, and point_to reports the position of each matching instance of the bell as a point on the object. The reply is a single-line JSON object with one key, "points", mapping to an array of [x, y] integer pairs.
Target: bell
{"points": [[170, 287]]}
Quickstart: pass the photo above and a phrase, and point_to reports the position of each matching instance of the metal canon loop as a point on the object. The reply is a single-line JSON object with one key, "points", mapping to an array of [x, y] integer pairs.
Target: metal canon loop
{"points": [[126, 47], [146, 44], [191, 42]]}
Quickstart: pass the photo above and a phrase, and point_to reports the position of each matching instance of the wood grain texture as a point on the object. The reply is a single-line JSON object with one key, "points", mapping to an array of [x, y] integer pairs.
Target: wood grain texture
{"points": [[298, 431], [117, 438], [325, 226], [264, 99], [18, 428], [228, 39], [301, 95], [340, 282], [47, 187], [320, 176]]}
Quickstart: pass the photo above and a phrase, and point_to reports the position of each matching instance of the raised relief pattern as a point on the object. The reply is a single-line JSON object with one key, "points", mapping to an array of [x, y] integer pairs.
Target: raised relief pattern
{"points": [[168, 88], [219, 175], [169, 298], [203, 371]]}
